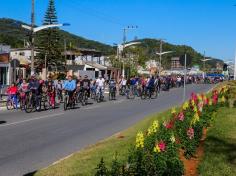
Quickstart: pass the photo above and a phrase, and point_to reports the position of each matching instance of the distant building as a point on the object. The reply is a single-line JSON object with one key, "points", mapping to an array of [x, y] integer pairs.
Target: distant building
{"points": [[175, 64], [4, 64], [90, 62]]}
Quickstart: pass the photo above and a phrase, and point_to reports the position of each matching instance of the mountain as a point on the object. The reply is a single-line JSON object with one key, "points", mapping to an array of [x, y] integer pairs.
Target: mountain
{"points": [[148, 48], [13, 34]]}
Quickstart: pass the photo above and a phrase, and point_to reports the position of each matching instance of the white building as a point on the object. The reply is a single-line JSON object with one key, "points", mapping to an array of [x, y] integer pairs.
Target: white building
{"points": [[4, 64]]}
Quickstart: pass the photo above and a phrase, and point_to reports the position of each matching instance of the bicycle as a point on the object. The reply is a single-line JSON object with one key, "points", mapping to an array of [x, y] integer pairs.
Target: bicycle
{"points": [[122, 90], [12, 102], [112, 93], [32, 102], [99, 95], [130, 92], [69, 101]]}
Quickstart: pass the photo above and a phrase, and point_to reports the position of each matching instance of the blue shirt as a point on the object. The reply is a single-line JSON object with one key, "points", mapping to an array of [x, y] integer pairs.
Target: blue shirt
{"points": [[69, 85]]}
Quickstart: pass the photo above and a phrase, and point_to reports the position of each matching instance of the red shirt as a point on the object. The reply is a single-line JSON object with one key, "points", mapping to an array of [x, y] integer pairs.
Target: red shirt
{"points": [[12, 90]]}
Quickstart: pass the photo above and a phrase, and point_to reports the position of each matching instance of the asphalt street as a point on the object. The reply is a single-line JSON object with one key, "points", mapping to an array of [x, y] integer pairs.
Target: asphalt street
{"points": [[29, 142]]}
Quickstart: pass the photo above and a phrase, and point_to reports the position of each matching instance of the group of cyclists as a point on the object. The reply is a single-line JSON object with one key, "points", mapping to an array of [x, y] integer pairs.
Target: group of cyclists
{"points": [[37, 94]]}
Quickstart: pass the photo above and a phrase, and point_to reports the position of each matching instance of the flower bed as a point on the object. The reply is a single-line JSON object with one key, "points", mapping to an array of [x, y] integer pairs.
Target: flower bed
{"points": [[157, 150]]}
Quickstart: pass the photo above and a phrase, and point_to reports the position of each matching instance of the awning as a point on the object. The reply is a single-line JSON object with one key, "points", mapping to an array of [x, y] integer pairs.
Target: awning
{"points": [[3, 65]]}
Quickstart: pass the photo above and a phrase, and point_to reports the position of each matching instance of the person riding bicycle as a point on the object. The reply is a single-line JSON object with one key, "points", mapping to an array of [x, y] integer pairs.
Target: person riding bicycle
{"points": [[70, 86], [34, 87], [151, 84], [85, 85], [51, 93], [100, 82], [112, 84], [58, 87], [23, 89], [12, 93], [123, 84]]}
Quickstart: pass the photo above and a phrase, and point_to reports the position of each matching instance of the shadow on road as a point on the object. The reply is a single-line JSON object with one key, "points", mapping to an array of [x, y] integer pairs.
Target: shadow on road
{"points": [[3, 122], [30, 174]]}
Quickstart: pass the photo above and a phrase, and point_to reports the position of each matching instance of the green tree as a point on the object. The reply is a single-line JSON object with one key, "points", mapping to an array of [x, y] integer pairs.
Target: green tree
{"points": [[49, 40]]}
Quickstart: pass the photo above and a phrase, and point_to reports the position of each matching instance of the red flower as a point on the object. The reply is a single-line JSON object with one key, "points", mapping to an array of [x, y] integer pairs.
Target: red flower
{"points": [[170, 124], [162, 146]]}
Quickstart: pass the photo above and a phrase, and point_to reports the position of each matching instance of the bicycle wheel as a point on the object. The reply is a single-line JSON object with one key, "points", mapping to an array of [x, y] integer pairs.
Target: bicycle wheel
{"points": [[143, 95], [22, 104], [9, 105], [98, 99], [82, 101], [29, 105], [45, 102], [66, 99], [110, 96], [131, 94], [85, 98]]}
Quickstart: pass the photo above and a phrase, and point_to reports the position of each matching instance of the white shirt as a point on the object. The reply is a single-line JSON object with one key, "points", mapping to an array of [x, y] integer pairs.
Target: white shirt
{"points": [[123, 82], [100, 82]]}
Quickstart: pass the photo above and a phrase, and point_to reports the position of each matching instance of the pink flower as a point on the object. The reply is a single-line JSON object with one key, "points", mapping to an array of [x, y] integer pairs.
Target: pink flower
{"points": [[162, 146], [181, 116], [215, 99], [194, 97], [190, 133]]}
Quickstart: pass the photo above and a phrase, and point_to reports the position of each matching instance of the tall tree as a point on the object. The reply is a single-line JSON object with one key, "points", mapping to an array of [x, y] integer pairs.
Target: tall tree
{"points": [[49, 40]]}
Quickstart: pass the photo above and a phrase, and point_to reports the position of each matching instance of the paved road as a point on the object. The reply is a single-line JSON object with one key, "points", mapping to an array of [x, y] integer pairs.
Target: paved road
{"points": [[32, 141]]}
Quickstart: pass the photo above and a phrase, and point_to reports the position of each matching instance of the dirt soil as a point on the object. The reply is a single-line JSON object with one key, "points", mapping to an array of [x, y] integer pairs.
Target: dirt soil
{"points": [[191, 165]]}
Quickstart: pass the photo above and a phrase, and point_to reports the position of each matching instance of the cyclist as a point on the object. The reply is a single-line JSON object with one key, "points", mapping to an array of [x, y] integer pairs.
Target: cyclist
{"points": [[151, 85], [123, 84], [23, 89], [112, 85], [100, 82], [34, 87], [59, 90], [70, 86], [85, 84], [51, 94], [12, 93]]}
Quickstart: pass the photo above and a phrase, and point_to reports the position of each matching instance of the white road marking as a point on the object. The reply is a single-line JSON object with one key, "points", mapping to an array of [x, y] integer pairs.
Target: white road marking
{"points": [[28, 120]]}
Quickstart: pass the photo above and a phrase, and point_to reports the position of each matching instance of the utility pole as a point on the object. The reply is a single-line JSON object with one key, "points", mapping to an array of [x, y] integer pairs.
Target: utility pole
{"points": [[123, 54], [161, 43], [185, 72], [65, 50], [235, 67], [204, 66], [32, 38]]}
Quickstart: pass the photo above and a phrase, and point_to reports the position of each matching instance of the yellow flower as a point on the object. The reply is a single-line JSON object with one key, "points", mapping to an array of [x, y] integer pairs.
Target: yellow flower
{"points": [[157, 149], [172, 139], [193, 102], [223, 99], [140, 140], [210, 102], [195, 108], [173, 110], [153, 128], [199, 97], [185, 105], [195, 119]]}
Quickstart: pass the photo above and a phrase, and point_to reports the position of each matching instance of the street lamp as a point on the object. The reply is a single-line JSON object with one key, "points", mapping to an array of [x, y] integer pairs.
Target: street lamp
{"points": [[35, 30], [204, 60], [126, 45], [161, 53], [120, 49]]}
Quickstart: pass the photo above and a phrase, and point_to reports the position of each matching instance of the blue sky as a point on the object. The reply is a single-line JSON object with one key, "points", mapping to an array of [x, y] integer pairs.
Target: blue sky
{"points": [[206, 25]]}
